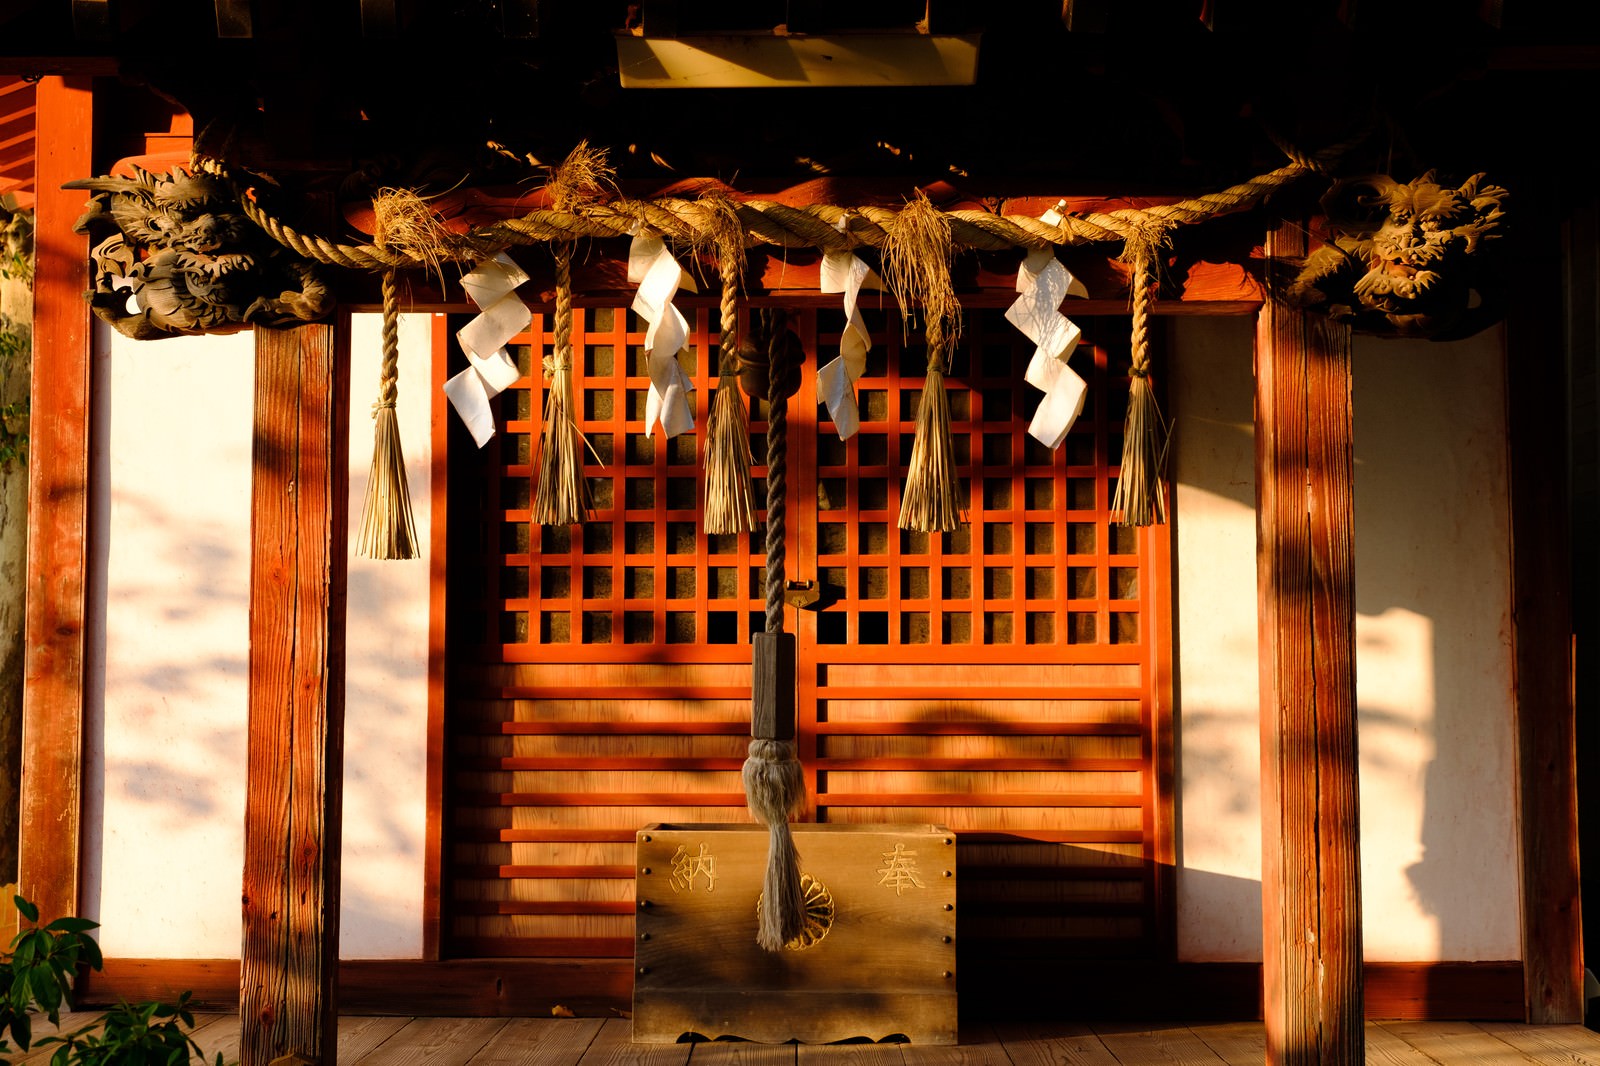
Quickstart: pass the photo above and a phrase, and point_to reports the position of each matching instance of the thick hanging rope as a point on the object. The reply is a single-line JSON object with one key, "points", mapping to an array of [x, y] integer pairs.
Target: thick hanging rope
{"points": [[730, 499], [1140, 499], [764, 222], [388, 530], [931, 502], [774, 780], [916, 265], [561, 497]]}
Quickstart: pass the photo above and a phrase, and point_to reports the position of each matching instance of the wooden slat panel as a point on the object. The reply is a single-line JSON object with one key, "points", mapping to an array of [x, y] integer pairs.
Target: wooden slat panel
{"points": [[1021, 734]]}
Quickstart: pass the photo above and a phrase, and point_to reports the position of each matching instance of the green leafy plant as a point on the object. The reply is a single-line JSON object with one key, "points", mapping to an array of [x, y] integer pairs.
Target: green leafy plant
{"points": [[36, 977], [150, 1034]]}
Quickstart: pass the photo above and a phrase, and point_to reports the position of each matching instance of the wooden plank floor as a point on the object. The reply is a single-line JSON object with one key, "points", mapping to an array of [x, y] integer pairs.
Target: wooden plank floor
{"points": [[375, 1041]]}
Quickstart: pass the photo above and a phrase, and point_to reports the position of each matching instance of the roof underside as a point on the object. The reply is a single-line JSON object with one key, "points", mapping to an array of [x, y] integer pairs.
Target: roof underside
{"points": [[1087, 97]]}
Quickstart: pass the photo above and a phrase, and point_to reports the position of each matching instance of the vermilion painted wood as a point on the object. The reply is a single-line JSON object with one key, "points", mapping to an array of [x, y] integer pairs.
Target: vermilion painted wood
{"points": [[433, 847], [1541, 609], [643, 491], [58, 510], [293, 803], [1311, 911]]}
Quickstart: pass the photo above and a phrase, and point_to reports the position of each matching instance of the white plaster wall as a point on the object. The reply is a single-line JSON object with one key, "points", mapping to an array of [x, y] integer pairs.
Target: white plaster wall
{"points": [[1433, 658], [164, 847]]}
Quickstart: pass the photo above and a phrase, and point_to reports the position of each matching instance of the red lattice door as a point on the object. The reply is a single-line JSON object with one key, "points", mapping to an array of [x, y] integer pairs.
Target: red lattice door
{"points": [[1003, 680]]}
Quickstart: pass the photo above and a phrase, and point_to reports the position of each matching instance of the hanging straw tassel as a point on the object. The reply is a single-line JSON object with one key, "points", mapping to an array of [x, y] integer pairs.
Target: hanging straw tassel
{"points": [[561, 497], [774, 781], [916, 263], [387, 529], [932, 500], [730, 500], [1140, 498]]}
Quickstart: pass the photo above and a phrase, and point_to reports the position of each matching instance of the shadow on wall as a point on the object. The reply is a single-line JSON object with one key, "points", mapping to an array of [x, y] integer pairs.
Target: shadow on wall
{"points": [[1432, 598]]}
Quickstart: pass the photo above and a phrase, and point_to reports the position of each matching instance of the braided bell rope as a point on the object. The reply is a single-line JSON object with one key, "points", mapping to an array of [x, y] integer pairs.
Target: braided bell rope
{"points": [[827, 227], [777, 477], [389, 373]]}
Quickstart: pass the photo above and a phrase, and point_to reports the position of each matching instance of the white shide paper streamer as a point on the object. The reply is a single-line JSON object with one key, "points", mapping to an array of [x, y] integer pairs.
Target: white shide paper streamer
{"points": [[1042, 283], [836, 382], [492, 285], [658, 275]]}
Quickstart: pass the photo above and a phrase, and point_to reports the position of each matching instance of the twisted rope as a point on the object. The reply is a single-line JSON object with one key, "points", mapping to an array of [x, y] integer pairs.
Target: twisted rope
{"points": [[781, 225], [777, 475], [389, 373], [388, 529]]}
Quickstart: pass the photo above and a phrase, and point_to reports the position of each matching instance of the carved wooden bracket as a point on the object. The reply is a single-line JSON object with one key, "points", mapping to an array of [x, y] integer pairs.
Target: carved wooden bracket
{"points": [[1405, 259], [173, 255]]}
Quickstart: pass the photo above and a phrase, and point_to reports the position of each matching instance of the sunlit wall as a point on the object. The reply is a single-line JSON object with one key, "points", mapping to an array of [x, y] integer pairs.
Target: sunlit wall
{"points": [[1433, 648], [164, 813]]}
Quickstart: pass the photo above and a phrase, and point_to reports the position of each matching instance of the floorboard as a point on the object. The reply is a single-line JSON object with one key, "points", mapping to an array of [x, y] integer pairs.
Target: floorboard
{"points": [[361, 1035], [1169, 1045], [431, 1042], [1572, 1045], [1458, 1042], [1236, 1043], [389, 1041], [850, 1054], [979, 1046], [1053, 1044], [614, 1046], [539, 1042]]}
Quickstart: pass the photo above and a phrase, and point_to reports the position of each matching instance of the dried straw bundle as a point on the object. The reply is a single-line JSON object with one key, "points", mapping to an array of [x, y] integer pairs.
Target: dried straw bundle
{"points": [[581, 178], [388, 530], [931, 502], [730, 499], [916, 264], [1140, 499], [561, 496], [402, 222]]}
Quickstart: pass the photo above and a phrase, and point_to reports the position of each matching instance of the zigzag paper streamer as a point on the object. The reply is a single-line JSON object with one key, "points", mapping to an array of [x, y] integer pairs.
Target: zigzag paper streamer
{"points": [[846, 273], [1042, 283], [658, 275], [490, 371]]}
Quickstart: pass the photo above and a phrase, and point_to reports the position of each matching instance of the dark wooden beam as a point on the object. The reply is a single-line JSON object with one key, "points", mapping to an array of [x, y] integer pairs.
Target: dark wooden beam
{"points": [[235, 19], [55, 616], [294, 797], [1541, 615], [1305, 525]]}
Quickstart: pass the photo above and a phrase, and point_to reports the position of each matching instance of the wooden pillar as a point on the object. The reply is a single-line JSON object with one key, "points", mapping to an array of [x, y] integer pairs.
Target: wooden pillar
{"points": [[58, 510], [1305, 526], [288, 996], [1541, 614]]}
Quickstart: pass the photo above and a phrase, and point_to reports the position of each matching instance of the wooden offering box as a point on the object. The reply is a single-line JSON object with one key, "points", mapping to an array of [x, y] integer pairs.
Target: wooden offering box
{"points": [[877, 960]]}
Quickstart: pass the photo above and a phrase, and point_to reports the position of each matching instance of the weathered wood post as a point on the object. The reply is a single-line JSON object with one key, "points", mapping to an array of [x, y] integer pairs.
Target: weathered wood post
{"points": [[298, 516], [55, 617], [1305, 533]]}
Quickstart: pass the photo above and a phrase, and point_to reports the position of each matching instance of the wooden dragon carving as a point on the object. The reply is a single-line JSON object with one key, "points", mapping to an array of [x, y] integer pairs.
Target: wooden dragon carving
{"points": [[173, 255], [1404, 259]]}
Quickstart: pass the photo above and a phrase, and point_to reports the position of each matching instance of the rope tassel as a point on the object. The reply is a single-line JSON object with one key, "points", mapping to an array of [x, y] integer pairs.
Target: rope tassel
{"points": [[561, 497], [388, 530], [775, 788], [932, 500], [774, 782], [730, 499], [1140, 499]]}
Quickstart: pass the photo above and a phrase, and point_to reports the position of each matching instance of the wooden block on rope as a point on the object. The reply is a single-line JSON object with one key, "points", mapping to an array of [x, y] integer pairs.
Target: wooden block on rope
{"points": [[877, 959], [772, 688]]}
